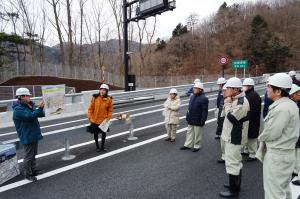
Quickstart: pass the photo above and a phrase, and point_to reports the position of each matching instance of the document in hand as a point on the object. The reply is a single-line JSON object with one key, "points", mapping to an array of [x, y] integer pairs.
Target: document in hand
{"points": [[104, 125]]}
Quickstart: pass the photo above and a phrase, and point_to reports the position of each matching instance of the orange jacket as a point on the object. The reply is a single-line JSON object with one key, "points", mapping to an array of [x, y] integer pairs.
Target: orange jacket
{"points": [[100, 108]]}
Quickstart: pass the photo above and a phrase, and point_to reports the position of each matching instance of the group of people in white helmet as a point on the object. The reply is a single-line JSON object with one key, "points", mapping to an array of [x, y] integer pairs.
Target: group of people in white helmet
{"points": [[238, 125], [26, 114], [279, 148], [195, 117]]}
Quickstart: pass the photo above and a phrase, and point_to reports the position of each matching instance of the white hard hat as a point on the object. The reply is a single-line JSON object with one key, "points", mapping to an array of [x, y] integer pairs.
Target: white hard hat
{"points": [[198, 85], [234, 82], [292, 73], [281, 80], [248, 82], [224, 87], [294, 89], [221, 80], [173, 90], [105, 86], [197, 81], [22, 91]]}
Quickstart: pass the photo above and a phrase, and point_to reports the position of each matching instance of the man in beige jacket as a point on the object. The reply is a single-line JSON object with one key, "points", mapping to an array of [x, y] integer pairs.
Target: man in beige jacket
{"points": [[279, 137], [234, 134]]}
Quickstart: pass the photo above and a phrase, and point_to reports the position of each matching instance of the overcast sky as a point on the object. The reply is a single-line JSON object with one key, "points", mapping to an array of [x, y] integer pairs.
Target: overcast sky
{"points": [[168, 20]]}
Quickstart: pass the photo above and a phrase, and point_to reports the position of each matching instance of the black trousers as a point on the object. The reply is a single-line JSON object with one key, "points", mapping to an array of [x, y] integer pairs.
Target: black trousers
{"points": [[94, 128], [220, 122], [30, 151]]}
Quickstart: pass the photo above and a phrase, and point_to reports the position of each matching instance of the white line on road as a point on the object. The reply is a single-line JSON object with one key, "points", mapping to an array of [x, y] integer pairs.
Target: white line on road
{"points": [[109, 137], [84, 119], [85, 125], [88, 161]]}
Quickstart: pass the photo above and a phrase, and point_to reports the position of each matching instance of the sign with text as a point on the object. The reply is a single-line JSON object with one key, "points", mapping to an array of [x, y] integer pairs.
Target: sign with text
{"points": [[236, 64]]}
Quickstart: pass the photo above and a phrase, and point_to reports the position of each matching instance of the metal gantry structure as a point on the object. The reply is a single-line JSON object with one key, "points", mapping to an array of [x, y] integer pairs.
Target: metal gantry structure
{"points": [[144, 9]]}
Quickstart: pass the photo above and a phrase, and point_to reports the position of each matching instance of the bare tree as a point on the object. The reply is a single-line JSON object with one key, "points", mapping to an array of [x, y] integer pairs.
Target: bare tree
{"points": [[101, 20], [70, 36], [81, 6], [90, 40], [141, 30], [117, 13], [13, 14], [192, 20], [55, 4], [42, 39], [29, 22]]}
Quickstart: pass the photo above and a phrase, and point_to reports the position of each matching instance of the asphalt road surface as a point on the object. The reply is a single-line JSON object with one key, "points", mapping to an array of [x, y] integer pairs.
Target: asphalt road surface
{"points": [[146, 168]]}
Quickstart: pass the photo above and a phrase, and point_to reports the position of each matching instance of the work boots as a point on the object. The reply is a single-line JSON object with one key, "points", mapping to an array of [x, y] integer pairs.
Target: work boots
{"points": [[234, 187], [239, 182]]}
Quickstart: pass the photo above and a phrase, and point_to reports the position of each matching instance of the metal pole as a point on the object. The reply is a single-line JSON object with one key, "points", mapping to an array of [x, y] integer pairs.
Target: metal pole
{"points": [[131, 132], [125, 39], [223, 70], [13, 91], [235, 72], [244, 72], [67, 155], [33, 91]]}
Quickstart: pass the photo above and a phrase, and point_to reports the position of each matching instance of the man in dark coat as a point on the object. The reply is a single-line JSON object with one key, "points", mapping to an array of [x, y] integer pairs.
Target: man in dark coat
{"points": [[253, 116], [25, 117], [267, 103], [220, 103], [196, 117]]}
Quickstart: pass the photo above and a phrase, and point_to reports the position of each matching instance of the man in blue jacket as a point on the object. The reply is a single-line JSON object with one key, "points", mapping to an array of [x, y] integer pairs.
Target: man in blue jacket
{"points": [[190, 91], [196, 117], [25, 117]]}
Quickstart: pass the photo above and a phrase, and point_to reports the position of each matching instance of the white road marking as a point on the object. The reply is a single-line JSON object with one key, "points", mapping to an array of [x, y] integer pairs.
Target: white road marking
{"points": [[88, 161], [84, 119], [85, 125], [109, 137]]}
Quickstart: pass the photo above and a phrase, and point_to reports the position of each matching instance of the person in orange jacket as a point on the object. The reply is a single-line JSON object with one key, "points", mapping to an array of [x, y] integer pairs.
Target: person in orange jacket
{"points": [[100, 110]]}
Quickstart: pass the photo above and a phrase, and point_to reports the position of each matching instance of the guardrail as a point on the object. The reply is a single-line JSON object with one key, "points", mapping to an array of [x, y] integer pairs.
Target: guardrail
{"points": [[85, 96], [77, 103]]}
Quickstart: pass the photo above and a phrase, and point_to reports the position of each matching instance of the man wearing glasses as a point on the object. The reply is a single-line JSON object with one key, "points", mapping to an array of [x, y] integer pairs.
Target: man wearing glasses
{"points": [[25, 117]]}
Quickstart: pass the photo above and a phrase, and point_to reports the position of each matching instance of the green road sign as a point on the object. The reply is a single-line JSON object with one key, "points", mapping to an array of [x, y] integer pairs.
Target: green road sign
{"points": [[240, 64]]}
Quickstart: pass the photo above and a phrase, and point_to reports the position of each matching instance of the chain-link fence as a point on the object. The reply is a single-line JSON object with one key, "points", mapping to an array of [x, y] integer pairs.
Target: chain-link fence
{"points": [[8, 92]]}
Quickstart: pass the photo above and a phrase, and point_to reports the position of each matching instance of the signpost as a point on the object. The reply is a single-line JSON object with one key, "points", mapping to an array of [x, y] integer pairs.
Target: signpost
{"points": [[143, 9], [223, 61], [236, 64], [103, 77]]}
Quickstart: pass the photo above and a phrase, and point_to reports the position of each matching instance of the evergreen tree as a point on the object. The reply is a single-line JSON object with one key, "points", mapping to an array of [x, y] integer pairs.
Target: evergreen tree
{"points": [[266, 49], [179, 30]]}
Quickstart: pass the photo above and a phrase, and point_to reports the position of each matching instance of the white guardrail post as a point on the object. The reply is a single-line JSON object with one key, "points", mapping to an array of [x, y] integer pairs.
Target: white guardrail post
{"points": [[67, 154]]}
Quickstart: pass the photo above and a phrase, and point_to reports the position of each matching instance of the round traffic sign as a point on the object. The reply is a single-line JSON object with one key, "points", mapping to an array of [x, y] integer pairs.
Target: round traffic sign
{"points": [[223, 60]]}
